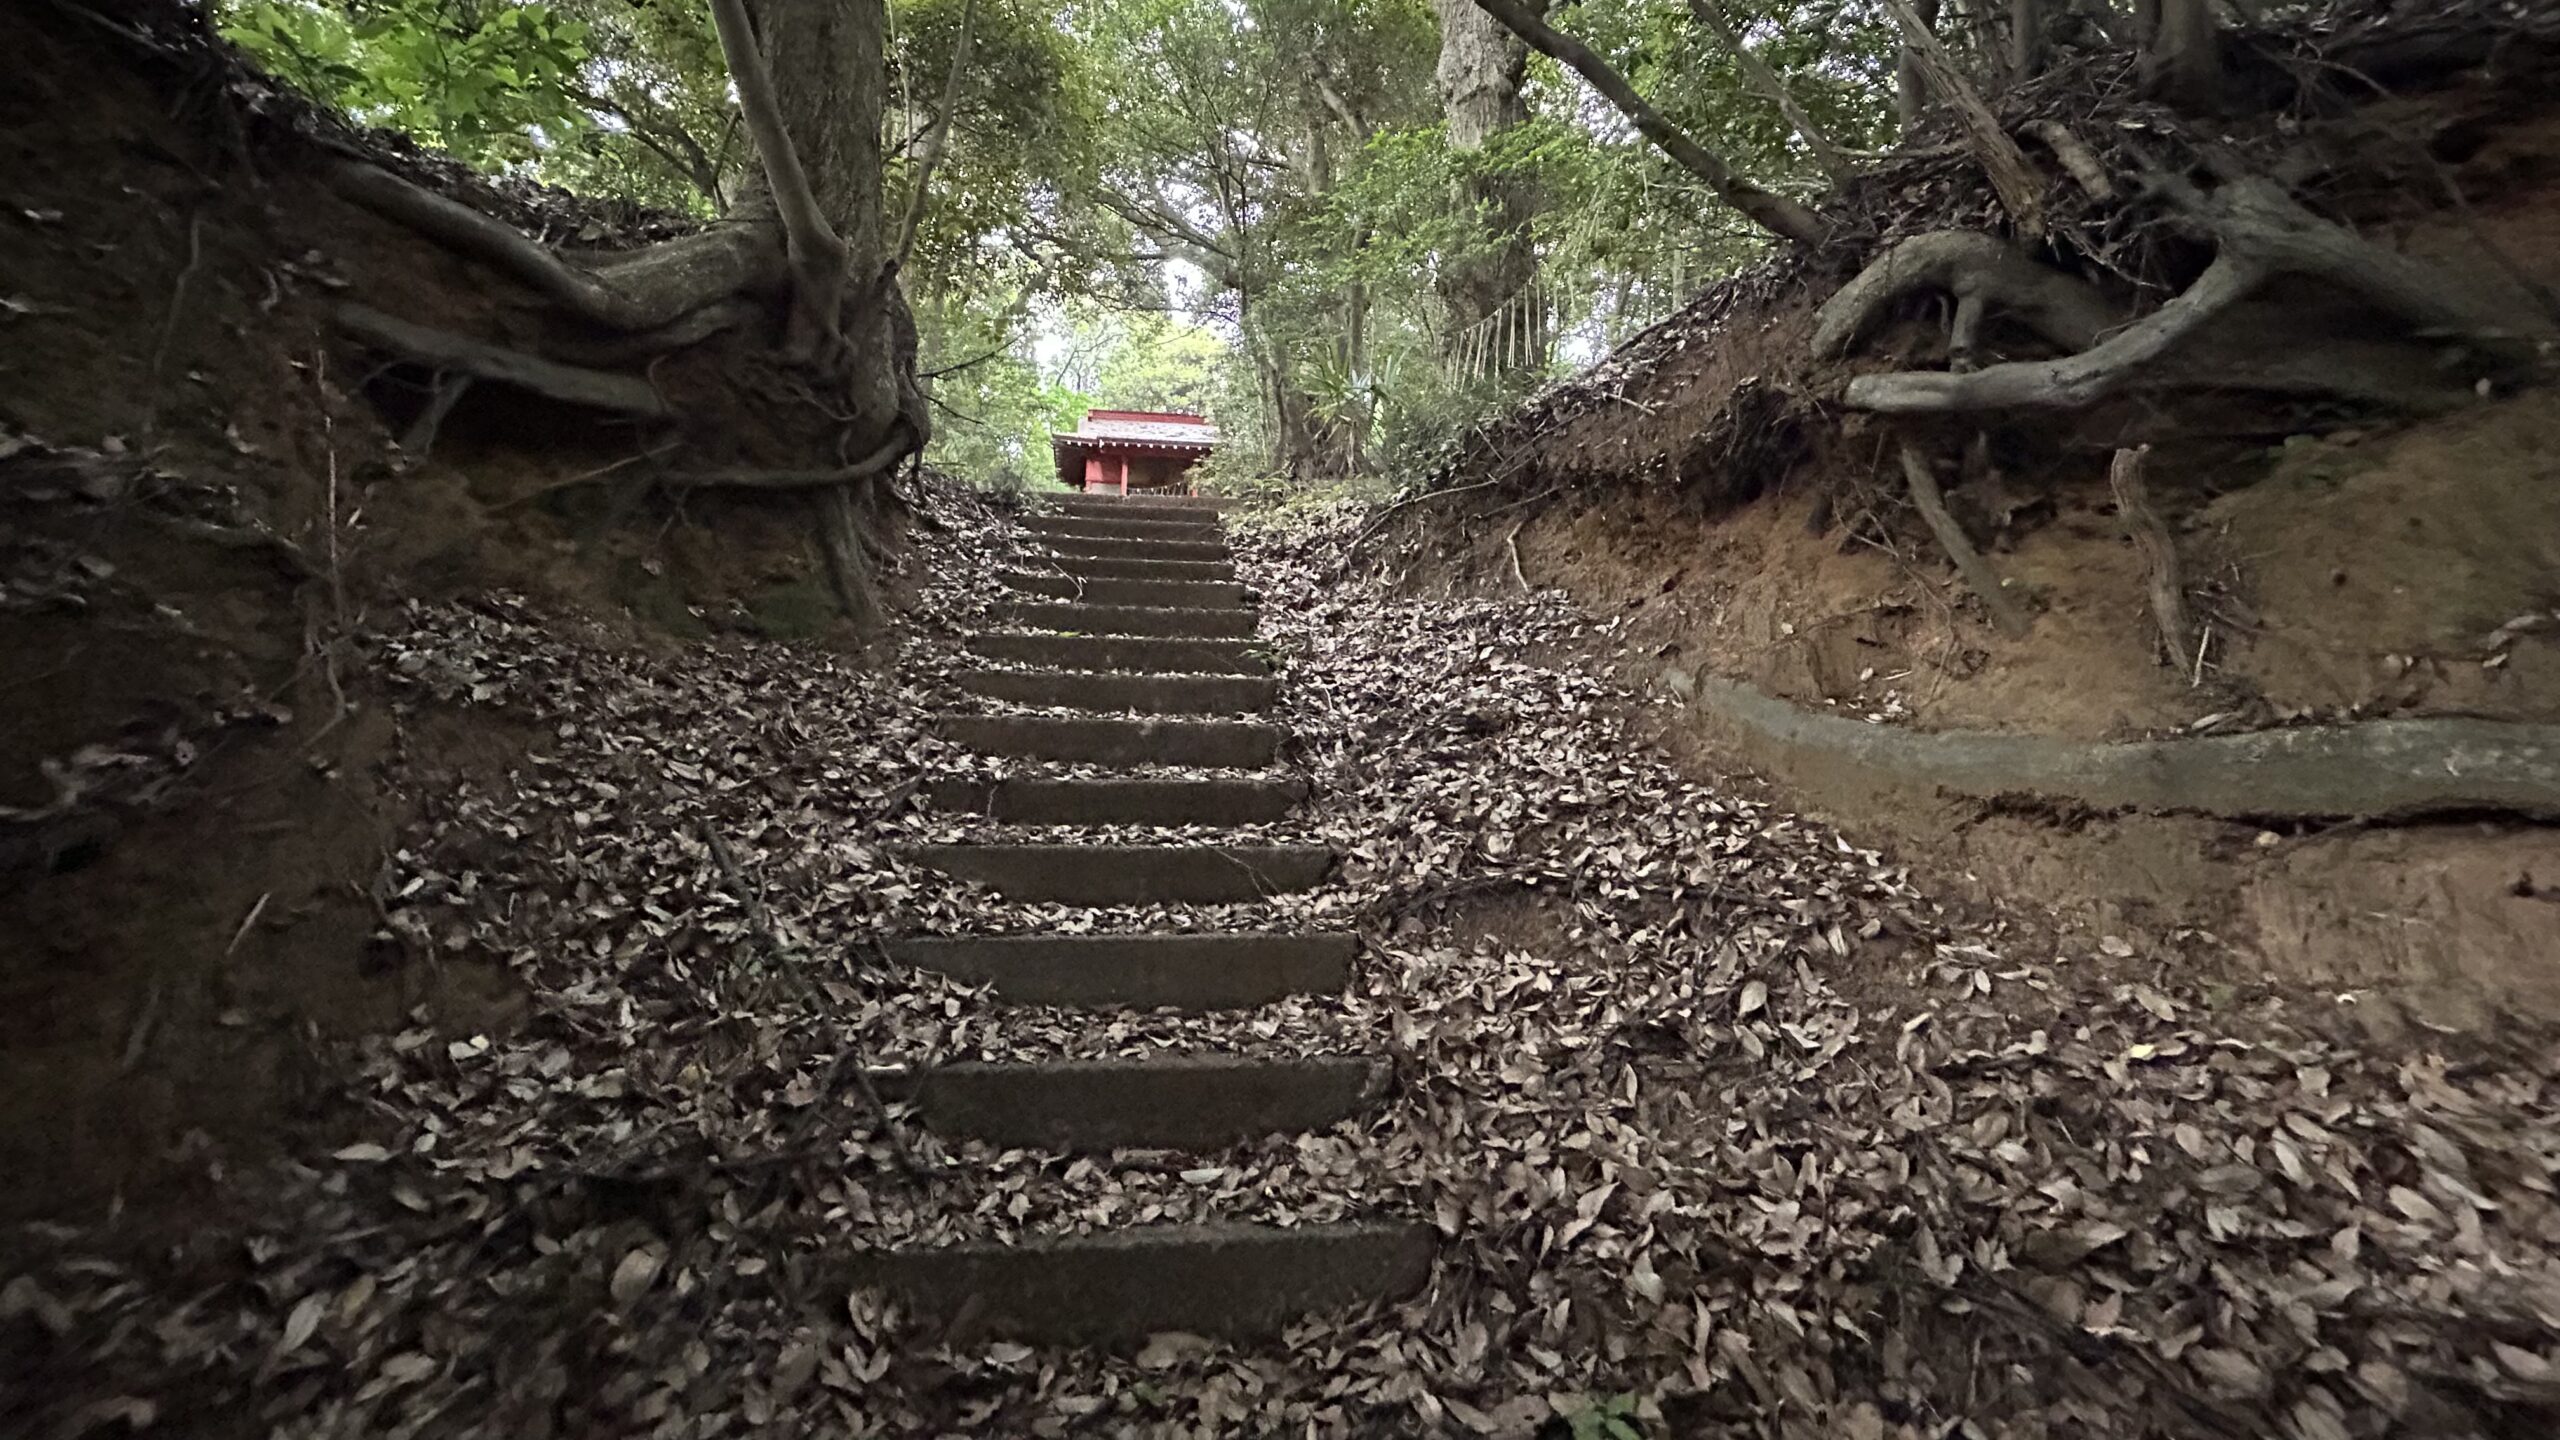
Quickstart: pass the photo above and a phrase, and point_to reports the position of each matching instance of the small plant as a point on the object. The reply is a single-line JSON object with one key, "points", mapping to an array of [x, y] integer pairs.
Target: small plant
{"points": [[1611, 1417]]}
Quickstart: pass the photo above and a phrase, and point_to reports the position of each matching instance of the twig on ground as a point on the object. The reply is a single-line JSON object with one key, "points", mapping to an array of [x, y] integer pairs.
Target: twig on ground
{"points": [[248, 920]]}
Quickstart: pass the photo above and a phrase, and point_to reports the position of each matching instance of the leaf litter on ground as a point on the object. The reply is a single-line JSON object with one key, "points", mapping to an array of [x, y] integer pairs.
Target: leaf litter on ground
{"points": [[1710, 1107]]}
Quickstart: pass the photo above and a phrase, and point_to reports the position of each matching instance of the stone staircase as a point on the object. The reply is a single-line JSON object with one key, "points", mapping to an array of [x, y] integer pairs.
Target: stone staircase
{"points": [[1147, 632]]}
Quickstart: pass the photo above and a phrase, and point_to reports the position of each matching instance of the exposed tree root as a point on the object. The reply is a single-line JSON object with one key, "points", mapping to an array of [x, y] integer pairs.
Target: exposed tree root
{"points": [[2371, 769], [2073, 382], [2258, 219], [420, 437], [461, 355], [848, 564], [1979, 577], [2166, 583], [696, 327], [880, 461], [649, 289], [1967, 264], [2263, 233]]}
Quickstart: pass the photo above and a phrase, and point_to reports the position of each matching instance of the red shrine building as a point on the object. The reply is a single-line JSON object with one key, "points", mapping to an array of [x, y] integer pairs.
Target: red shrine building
{"points": [[1127, 452]]}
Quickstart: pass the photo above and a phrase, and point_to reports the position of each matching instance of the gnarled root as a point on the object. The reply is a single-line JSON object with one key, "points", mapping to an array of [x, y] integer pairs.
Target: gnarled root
{"points": [[1971, 266], [2075, 381], [646, 290], [2263, 233], [2165, 584], [460, 355]]}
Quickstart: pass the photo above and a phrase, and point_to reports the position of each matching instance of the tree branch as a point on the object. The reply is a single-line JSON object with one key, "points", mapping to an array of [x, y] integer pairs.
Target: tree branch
{"points": [[1826, 153], [935, 137], [1772, 212], [664, 141], [2021, 189]]}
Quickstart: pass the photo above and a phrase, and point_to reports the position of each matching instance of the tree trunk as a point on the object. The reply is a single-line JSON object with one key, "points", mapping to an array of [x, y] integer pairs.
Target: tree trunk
{"points": [[830, 78], [1482, 67], [2182, 58], [1911, 86], [2026, 39]]}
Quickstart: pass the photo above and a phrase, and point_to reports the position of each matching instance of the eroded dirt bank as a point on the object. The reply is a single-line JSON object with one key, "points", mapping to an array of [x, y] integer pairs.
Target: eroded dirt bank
{"points": [[1740, 540], [213, 502]]}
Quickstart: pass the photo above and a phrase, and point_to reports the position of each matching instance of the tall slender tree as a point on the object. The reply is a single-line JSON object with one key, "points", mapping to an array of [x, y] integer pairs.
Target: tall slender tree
{"points": [[1481, 69]]}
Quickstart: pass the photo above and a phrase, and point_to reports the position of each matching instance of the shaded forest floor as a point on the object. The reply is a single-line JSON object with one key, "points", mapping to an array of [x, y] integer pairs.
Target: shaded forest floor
{"points": [[1724, 1120], [492, 1066]]}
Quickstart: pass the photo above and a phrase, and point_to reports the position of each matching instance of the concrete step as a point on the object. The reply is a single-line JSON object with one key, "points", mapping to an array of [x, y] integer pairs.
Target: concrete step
{"points": [[1183, 1102], [1186, 972], [1139, 549], [1235, 1282], [1177, 594], [1099, 740], [1100, 503], [1142, 654], [1128, 619], [1108, 567], [1144, 694], [1097, 875], [1021, 801], [1153, 525]]}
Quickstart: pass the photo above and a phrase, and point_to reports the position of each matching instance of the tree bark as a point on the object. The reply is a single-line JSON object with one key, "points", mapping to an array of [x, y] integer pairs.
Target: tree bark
{"points": [[2182, 56], [1910, 86], [1480, 73], [1772, 212], [2020, 187], [2164, 580]]}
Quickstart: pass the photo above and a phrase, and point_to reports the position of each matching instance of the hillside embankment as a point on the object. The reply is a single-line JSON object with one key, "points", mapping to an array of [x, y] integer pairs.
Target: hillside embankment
{"points": [[2344, 768], [217, 496]]}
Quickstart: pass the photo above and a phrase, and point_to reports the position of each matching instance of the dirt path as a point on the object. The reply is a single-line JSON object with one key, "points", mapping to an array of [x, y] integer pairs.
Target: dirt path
{"points": [[1720, 1124]]}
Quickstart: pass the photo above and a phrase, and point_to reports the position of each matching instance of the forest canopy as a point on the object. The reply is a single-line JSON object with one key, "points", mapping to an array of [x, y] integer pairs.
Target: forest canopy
{"points": [[1352, 229], [1282, 210]]}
